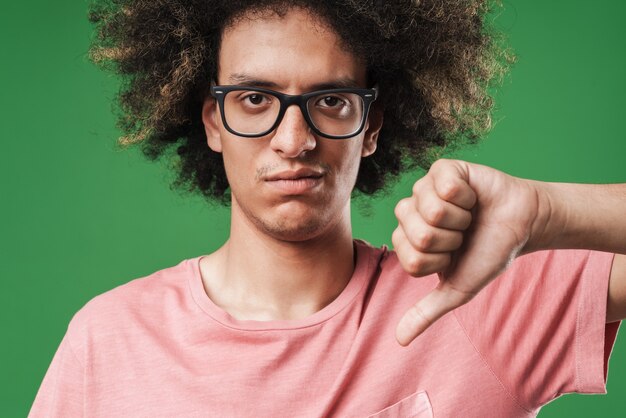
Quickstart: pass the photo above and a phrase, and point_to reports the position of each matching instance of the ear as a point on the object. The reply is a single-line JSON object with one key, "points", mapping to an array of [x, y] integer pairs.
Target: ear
{"points": [[210, 115], [372, 129]]}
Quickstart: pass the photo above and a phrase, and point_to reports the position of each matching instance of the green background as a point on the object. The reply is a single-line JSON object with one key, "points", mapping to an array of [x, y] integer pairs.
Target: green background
{"points": [[79, 218]]}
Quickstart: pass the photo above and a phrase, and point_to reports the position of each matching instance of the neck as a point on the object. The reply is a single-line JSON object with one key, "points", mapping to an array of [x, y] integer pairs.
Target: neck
{"points": [[259, 277]]}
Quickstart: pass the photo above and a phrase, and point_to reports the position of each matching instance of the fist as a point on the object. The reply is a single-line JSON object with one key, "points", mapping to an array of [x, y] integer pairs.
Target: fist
{"points": [[465, 222]]}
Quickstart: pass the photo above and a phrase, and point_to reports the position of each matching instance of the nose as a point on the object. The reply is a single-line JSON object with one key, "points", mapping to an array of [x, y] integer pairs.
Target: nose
{"points": [[293, 136]]}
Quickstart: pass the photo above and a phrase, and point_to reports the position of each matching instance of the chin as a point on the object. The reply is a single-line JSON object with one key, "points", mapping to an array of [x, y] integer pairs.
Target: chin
{"points": [[292, 221], [292, 230]]}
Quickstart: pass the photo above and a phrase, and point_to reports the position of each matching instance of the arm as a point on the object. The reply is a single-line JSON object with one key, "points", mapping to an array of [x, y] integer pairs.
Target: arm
{"points": [[592, 217], [467, 222]]}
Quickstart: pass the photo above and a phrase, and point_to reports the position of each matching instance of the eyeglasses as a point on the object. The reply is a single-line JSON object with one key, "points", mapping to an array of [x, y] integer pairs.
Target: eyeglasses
{"points": [[253, 112]]}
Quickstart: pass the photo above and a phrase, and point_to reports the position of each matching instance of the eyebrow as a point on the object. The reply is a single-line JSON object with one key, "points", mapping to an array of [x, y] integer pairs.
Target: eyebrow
{"points": [[242, 79]]}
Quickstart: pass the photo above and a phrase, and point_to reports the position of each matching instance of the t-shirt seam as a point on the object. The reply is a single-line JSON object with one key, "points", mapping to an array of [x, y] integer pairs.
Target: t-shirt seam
{"points": [[578, 325], [69, 343], [82, 366], [486, 363], [591, 280]]}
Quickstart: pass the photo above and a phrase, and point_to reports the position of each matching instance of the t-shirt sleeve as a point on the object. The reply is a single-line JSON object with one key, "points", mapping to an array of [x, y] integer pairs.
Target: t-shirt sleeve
{"points": [[541, 326], [62, 388]]}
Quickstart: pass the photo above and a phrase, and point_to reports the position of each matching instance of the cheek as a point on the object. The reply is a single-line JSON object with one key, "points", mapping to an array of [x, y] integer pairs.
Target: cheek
{"points": [[349, 166], [239, 172]]}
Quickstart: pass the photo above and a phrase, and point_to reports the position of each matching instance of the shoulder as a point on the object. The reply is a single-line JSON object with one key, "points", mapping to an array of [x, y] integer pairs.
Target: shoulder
{"points": [[389, 284], [540, 270], [382, 263], [560, 265], [536, 263], [147, 298]]}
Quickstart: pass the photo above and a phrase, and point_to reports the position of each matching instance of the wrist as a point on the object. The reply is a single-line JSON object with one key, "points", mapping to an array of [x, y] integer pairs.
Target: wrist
{"points": [[588, 216], [550, 217]]}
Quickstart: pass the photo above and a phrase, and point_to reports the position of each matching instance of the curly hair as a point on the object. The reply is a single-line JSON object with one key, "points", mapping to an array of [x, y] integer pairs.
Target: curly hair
{"points": [[434, 61]]}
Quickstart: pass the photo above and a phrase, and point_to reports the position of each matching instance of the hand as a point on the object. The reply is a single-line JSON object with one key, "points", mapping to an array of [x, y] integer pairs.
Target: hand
{"points": [[466, 222]]}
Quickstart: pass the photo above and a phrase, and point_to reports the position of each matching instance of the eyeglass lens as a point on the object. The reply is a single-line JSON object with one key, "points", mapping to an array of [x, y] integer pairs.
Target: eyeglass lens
{"points": [[252, 112]]}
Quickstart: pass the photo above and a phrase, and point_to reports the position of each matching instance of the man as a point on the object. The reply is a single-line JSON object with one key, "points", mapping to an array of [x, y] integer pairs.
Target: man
{"points": [[291, 316]]}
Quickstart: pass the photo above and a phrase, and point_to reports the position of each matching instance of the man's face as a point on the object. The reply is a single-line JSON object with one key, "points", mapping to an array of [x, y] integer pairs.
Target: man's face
{"points": [[290, 183]]}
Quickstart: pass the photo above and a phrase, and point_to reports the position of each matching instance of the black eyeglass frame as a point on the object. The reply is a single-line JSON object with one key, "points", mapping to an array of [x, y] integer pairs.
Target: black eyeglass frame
{"points": [[367, 95]]}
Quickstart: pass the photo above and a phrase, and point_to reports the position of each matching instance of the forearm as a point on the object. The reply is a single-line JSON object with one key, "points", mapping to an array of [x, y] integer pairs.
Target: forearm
{"points": [[589, 216]]}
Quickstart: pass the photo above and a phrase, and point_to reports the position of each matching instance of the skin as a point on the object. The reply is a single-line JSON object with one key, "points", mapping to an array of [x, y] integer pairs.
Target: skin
{"points": [[290, 254], [466, 222], [270, 266]]}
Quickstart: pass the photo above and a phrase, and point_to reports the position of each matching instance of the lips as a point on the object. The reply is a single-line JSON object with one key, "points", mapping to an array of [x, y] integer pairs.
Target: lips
{"points": [[295, 182], [301, 173]]}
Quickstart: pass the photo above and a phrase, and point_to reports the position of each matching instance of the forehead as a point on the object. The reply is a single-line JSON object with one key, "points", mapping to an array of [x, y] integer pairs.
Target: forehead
{"points": [[293, 52]]}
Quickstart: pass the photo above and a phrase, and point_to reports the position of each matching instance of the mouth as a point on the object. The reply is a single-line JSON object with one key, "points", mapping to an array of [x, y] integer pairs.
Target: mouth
{"points": [[294, 182], [302, 173]]}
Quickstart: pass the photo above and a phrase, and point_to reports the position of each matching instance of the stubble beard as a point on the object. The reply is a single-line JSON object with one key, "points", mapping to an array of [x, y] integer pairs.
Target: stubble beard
{"points": [[287, 229], [316, 223]]}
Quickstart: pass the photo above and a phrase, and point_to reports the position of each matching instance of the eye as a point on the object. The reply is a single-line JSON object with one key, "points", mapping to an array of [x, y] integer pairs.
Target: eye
{"points": [[255, 99], [331, 101]]}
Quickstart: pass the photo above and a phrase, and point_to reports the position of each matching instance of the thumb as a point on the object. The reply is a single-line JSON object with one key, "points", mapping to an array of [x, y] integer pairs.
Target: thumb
{"points": [[441, 300]]}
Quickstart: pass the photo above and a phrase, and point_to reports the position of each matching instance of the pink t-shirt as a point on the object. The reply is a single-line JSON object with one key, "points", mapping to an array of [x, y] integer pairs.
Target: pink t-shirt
{"points": [[159, 347]]}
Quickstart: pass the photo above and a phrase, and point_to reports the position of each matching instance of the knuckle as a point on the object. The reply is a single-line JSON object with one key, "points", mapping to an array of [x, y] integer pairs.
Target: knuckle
{"points": [[443, 165], [435, 214], [456, 295], [395, 237], [417, 187], [424, 239], [414, 264], [402, 207], [450, 189], [440, 163], [397, 210]]}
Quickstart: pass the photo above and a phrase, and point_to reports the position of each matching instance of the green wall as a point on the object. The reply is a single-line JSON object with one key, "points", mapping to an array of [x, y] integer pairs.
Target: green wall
{"points": [[78, 218]]}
